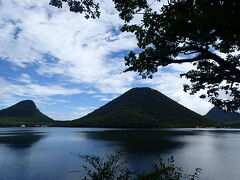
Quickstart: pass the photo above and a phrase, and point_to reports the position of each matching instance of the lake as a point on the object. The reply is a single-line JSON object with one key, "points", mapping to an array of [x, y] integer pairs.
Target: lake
{"points": [[52, 153]]}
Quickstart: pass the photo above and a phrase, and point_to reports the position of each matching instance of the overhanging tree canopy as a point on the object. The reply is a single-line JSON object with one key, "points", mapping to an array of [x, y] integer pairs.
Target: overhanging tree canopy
{"points": [[205, 33], [88, 7]]}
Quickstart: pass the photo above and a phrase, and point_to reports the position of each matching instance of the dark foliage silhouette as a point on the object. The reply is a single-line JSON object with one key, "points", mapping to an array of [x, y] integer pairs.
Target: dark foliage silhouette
{"points": [[111, 168]]}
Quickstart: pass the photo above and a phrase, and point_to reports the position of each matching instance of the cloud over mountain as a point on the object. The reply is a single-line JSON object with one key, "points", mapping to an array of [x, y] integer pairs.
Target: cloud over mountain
{"points": [[52, 54]]}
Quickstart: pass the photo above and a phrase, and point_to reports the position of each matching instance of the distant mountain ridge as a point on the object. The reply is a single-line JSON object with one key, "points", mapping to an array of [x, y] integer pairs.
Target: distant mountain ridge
{"points": [[142, 107], [221, 116], [136, 108], [23, 112]]}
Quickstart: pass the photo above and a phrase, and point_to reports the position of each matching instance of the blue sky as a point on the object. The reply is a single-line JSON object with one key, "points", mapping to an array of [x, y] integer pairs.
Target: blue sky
{"points": [[69, 65]]}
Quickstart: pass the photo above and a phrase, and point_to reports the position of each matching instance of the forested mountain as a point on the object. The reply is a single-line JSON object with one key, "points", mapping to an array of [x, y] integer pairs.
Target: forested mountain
{"points": [[221, 116], [24, 112], [142, 107]]}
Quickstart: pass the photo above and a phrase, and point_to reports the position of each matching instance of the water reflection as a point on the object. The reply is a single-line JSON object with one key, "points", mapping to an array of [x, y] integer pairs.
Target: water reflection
{"points": [[20, 138], [142, 141], [46, 153]]}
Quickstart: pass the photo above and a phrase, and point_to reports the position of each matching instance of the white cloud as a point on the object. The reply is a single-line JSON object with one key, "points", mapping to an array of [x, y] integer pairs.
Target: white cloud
{"points": [[11, 92], [24, 78], [83, 47], [105, 99], [85, 108], [81, 111]]}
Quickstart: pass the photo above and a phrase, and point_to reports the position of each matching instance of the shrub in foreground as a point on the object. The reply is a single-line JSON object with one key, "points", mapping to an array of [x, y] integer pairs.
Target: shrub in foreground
{"points": [[113, 168]]}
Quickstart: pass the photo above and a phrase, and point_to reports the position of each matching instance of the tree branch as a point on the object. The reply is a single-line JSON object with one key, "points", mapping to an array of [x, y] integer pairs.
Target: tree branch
{"points": [[168, 60], [225, 64], [180, 61]]}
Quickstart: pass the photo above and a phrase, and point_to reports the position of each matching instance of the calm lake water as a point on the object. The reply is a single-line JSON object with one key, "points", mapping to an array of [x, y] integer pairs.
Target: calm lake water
{"points": [[52, 153]]}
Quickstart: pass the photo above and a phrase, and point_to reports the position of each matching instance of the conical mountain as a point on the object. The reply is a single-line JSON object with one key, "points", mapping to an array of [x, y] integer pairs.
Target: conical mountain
{"points": [[222, 116], [142, 107], [23, 112]]}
